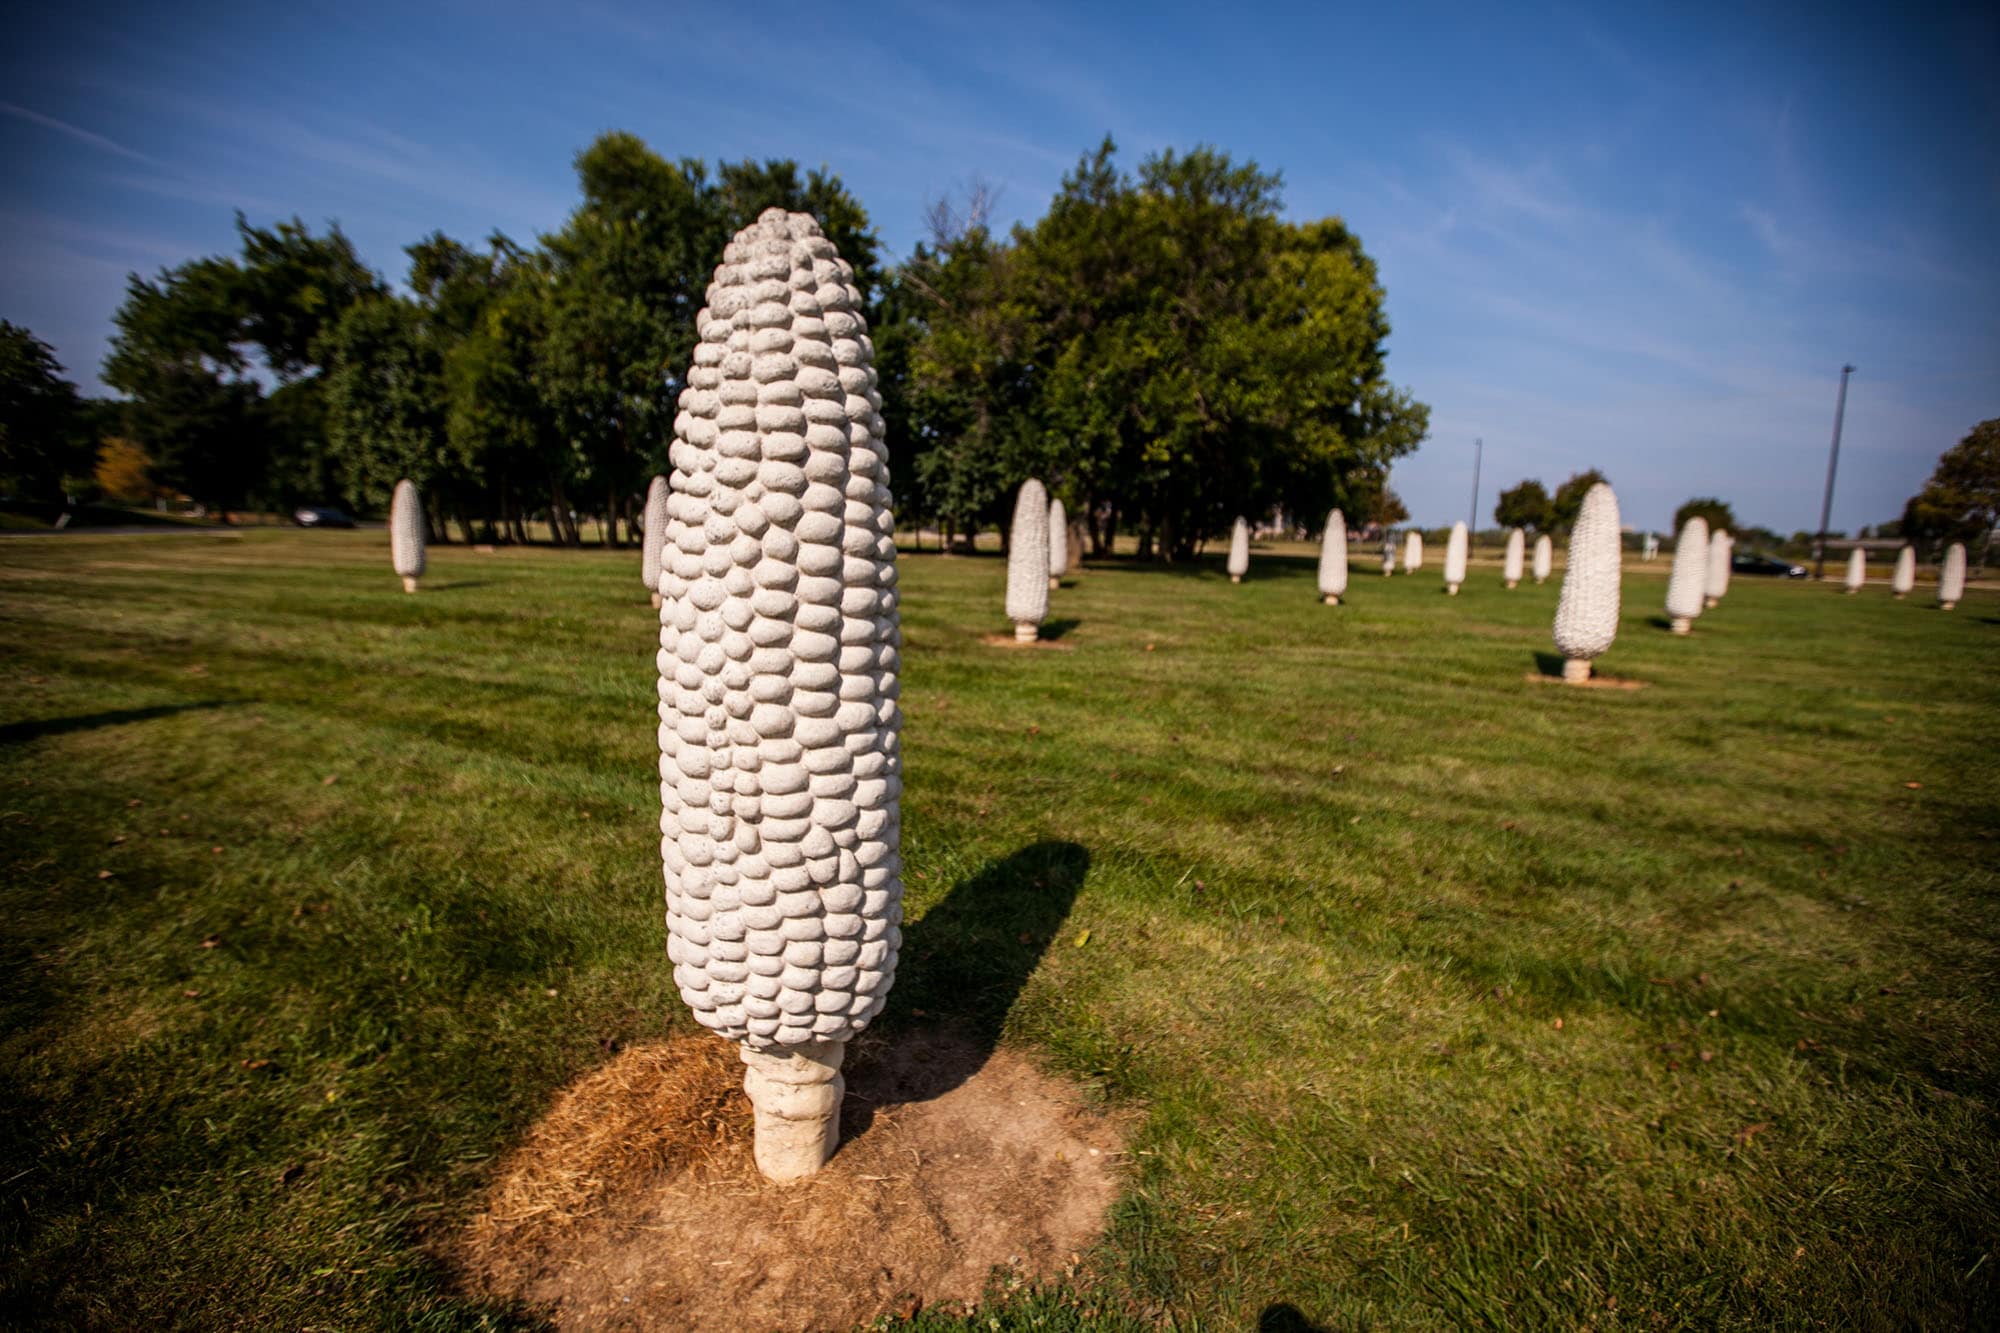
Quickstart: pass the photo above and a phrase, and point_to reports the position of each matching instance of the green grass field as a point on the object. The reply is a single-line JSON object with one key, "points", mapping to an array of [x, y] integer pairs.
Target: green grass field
{"points": [[1441, 997]]}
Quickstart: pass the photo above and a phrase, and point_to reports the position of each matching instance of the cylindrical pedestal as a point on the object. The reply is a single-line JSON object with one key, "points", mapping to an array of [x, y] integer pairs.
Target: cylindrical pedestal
{"points": [[1576, 670], [1899, 597], [409, 584], [1946, 606], [1682, 624], [1451, 589], [1512, 582], [1236, 578], [1328, 599], [1541, 579], [1710, 603], [1055, 581], [1026, 631], [796, 1094], [656, 601]]}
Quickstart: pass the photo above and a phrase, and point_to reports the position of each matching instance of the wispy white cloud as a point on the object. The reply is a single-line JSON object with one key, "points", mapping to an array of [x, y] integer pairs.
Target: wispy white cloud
{"points": [[76, 132]]}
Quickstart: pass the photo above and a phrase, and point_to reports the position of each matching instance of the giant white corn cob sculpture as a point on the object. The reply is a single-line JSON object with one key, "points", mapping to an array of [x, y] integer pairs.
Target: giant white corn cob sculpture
{"points": [[1688, 584], [779, 756], [1951, 579], [1239, 551], [1333, 559], [1545, 557], [1905, 577], [1587, 610], [1857, 570], [1028, 562], [654, 537], [1455, 555], [1058, 544], [1413, 552], [406, 534], [1517, 544], [1721, 546]]}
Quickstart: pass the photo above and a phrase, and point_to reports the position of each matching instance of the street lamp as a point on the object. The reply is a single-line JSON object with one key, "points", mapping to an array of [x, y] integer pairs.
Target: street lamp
{"points": [[1832, 462]]}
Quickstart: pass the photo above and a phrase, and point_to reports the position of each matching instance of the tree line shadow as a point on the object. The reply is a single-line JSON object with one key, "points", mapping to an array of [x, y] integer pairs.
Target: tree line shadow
{"points": [[15, 733]]}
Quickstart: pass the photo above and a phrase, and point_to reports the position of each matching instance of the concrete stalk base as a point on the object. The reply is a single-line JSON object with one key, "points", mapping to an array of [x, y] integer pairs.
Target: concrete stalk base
{"points": [[1539, 582], [1055, 581], [1328, 599], [796, 1095], [1711, 602], [1512, 582], [409, 585], [1899, 596], [1026, 631], [656, 601], [1236, 578], [1682, 624], [1946, 606], [1451, 590], [1576, 670]]}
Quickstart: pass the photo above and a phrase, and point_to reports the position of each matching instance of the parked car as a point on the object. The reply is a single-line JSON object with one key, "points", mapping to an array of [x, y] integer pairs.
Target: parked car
{"points": [[1756, 562], [321, 518]]}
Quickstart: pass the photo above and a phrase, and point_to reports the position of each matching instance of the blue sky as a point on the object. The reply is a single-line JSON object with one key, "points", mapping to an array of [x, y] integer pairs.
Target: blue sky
{"points": [[1638, 240]]}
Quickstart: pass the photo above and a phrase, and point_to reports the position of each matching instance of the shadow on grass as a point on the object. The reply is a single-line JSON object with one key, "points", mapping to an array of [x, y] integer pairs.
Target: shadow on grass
{"points": [[963, 965], [16, 732], [456, 585], [1055, 629], [1284, 1317], [1549, 664]]}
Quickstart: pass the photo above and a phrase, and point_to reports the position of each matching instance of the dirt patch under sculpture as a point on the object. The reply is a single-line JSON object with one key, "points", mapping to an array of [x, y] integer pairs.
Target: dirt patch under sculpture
{"points": [[634, 1202]]}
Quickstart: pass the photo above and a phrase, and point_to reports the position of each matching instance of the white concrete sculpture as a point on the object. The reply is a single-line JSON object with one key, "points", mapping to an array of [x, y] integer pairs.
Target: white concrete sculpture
{"points": [[1413, 552], [1721, 547], [1857, 570], [1388, 556], [654, 535], [1649, 546], [1510, 566], [1688, 584], [1239, 551], [1028, 579], [406, 534], [1951, 579], [1333, 559], [1587, 609], [1545, 557], [780, 763], [1058, 544], [1456, 552], [1905, 577]]}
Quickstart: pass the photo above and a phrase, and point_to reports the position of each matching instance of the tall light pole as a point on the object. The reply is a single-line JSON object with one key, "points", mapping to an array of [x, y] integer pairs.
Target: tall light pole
{"points": [[1832, 463], [1472, 528]]}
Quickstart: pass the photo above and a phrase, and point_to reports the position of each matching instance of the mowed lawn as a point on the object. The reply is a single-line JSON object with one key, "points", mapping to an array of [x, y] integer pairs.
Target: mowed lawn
{"points": [[1440, 997]]}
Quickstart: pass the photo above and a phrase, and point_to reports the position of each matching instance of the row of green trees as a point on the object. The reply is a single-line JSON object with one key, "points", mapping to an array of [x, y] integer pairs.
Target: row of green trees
{"points": [[1161, 347]]}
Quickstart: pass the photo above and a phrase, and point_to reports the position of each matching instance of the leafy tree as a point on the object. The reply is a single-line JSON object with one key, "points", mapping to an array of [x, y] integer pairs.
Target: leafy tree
{"points": [[43, 427], [1718, 514], [1567, 502], [385, 398], [124, 473], [1526, 505], [1961, 501]]}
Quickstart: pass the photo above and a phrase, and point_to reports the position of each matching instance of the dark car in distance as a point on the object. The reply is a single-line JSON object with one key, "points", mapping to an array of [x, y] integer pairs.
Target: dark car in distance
{"points": [[1757, 563], [321, 518]]}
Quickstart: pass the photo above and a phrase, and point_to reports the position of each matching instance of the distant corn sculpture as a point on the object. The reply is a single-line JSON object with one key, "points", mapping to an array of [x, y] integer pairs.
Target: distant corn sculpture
{"points": [[1058, 544], [1456, 552], [1687, 585], [1587, 610], [1333, 559], [1857, 570], [1239, 551], [1721, 548], [780, 761], [1951, 579], [1028, 579], [1510, 567], [654, 537], [1388, 558], [406, 534], [1413, 552], [1905, 577], [1545, 557]]}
